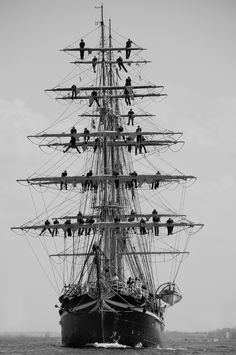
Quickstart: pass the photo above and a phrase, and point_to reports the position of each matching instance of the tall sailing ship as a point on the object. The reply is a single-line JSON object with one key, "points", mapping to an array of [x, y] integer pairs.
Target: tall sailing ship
{"points": [[114, 239]]}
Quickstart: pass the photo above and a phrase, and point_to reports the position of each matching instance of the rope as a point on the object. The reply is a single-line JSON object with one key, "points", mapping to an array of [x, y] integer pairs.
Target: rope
{"points": [[44, 271]]}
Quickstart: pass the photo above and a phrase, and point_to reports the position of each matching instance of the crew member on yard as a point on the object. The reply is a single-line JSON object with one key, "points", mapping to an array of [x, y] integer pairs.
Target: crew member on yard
{"points": [[86, 135], [82, 45], [139, 135], [120, 129], [128, 45], [131, 219], [127, 96], [73, 91], [128, 81], [94, 63], [73, 130], [88, 183], [96, 144], [131, 117], [154, 212], [170, 226], [134, 182], [47, 224], [93, 97], [90, 220], [142, 226], [156, 182], [63, 179], [121, 64], [117, 219], [80, 220], [117, 182], [129, 140], [72, 144], [67, 225], [141, 145], [55, 230], [156, 219]]}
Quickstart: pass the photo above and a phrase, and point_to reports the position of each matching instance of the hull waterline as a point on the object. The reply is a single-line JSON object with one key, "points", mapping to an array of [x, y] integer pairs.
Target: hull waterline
{"points": [[131, 328]]}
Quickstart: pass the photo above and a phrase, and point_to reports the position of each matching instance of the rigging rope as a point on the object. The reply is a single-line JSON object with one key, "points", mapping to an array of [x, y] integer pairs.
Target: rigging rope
{"points": [[44, 271]]}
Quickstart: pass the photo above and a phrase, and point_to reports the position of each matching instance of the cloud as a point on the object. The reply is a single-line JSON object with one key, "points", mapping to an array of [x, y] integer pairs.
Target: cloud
{"points": [[16, 114], [17, 121], [213, 127]]}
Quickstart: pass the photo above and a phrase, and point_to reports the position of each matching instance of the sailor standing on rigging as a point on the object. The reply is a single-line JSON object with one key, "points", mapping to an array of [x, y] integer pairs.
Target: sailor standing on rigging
{"points": [[47, 224], [170, 226], [89, 183], [156, 219], [139, 140], [80, 220], [120, 129], [117, 220], [128, 46], [63, 179], [96, 144], [139, 135], [117, 182], [73, 130], [142, 145], [156, 182], [94, 63], [128, 92], [73, 91], [127, 96], [93, 97], [128, 140], [91, 220], [86, 135], [67, 230], [82, 45], [121, 64], [72, 144], [134, 182], [131, 117], [55, 230], [128, 81], [131, 219], [142, 226]]}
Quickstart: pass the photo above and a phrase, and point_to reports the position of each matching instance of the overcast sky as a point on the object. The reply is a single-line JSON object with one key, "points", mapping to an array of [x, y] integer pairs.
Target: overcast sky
{"points": [[191, 44]]}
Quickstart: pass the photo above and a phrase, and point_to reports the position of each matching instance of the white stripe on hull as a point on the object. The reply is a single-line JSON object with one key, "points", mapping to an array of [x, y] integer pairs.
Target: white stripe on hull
{"points": [[123, 305]]}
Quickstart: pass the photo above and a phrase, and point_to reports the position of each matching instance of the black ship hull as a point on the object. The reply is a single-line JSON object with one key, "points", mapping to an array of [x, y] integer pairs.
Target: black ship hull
{"points": [[92, 323]]}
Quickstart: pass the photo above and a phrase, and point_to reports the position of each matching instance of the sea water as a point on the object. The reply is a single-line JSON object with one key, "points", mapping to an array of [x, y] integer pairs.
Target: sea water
{"points": [[26, 345]]}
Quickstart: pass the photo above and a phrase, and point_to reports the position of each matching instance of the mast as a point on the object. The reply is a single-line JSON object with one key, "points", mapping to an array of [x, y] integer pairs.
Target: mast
{"points": [[106, 241], [113, 241], [104, 210]]}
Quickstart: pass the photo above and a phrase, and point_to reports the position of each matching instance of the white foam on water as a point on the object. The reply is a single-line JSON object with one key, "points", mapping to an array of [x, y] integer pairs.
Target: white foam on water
{"points": [[139, 345], [109, 345], [116, 345], [173, 349]]}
